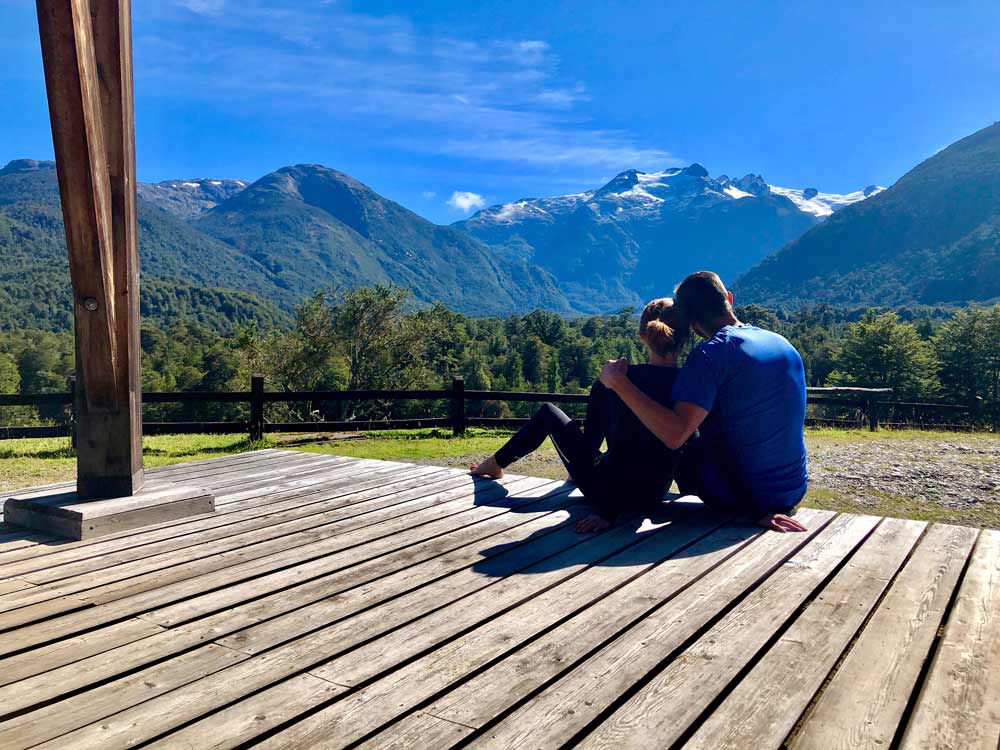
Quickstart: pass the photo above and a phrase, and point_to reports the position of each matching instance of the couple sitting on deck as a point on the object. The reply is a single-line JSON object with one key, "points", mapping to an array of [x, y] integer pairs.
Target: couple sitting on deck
{"points": [[727, 425]]}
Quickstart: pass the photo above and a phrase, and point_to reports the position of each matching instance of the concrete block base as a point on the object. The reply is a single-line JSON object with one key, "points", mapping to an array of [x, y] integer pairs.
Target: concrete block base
{"points": [[62, 513]]}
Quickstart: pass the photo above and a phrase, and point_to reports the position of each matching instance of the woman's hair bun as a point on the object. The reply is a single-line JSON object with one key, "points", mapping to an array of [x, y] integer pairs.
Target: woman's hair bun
{"points": [[660, 337], [662, 327]]}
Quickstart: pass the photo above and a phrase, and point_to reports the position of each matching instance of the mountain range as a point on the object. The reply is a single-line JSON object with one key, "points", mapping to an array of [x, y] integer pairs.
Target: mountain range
{"points": [[221, 251], [932, 238], [637, 236]]}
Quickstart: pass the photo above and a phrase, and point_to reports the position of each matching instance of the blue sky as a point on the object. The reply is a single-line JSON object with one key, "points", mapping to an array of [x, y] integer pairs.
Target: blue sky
{"points": [[444, 106]]}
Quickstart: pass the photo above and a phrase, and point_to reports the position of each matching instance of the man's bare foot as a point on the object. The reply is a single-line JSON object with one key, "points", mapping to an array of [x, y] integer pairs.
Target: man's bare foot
{"points": [[487, 468], [592, 523]]}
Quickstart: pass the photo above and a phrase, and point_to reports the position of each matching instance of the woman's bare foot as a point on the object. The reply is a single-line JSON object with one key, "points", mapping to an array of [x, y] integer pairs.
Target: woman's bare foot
{"points": [[487, 468], [591, 524]]}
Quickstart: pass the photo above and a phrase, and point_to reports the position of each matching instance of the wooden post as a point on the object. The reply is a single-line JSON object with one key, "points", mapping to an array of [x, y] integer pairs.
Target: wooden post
{"points": [[256, 408], [87, 55], [458, 406], [872, 409]]}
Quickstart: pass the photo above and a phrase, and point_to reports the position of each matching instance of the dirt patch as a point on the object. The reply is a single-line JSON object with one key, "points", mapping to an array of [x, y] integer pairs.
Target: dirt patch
{"points": [[946, 474]]}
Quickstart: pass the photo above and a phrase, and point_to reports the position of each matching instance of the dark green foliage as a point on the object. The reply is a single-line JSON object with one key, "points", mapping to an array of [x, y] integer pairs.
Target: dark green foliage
{"points": [[258, 254], [881, 352], [933, 237], [969, 355], [376, 338]]}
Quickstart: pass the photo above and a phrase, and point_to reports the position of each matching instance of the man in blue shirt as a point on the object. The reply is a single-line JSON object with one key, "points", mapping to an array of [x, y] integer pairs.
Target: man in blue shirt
{"points": [[739, 407]]}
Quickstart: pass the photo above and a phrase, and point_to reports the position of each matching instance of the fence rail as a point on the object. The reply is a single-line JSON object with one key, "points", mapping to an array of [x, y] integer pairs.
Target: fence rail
{"points": [[871, 404]]}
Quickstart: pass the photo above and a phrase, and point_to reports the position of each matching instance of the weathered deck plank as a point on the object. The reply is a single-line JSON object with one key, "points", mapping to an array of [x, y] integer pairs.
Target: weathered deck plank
{"points": [[691, 681], [959, 705], [676, 590], [865, 700], [51, 678], [764, 706], [334, 602]]}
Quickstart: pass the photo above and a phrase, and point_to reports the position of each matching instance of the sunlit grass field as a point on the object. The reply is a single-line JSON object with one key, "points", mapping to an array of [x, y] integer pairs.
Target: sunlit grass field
{"points": [[29, 462]]}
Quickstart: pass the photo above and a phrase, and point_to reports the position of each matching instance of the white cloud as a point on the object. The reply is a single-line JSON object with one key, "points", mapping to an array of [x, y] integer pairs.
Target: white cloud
{"points": [[208, 7], [488, 100], [562, 98], [465, 201], [429, 194]]}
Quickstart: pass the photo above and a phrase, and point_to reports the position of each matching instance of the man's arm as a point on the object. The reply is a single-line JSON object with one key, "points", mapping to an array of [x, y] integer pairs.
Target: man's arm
{"points": [[672, 426]]}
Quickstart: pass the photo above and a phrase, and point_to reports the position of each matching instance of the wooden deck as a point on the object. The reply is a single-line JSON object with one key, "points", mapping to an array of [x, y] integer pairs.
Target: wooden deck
{"points": [[333, 602]]}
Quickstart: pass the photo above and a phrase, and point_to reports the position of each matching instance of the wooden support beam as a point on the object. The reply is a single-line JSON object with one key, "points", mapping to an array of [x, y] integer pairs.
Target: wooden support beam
{"points": [[66, 33], [87, 54]]}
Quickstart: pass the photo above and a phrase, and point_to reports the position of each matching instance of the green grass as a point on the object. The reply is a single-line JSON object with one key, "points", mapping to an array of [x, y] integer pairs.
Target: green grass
{"points": [[30, 462], [34, 461], [412, 445], [820, 435], [897, 506]]}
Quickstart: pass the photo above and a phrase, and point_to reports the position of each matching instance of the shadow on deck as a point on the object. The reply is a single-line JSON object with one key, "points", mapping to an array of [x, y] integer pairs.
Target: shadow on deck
{"points": [[334, 602]]}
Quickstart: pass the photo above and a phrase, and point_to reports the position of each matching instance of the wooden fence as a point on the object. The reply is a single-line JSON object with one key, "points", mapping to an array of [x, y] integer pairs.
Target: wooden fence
{"points": [[868, 403]]}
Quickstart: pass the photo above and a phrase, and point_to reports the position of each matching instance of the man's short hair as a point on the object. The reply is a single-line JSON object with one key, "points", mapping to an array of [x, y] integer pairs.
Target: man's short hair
{"points": [[702, 298]]}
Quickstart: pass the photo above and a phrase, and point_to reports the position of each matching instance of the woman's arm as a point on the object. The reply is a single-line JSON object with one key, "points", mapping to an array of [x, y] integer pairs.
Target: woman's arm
{"points": [[673, 427]]}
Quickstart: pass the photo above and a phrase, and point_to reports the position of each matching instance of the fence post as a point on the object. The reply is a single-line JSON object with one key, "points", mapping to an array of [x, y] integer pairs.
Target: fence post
{"points": [[872, 409], [71, 387], [256, 407], [458, 406], [977, 410]]}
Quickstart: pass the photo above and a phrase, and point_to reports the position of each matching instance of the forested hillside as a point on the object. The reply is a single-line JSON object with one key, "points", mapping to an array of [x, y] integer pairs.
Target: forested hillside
{"points": [[223, 254], [311, 226], [186, 275], [932, 238]]}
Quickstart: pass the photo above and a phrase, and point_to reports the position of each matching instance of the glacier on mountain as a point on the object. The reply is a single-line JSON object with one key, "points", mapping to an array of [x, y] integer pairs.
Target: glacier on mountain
{"points": [[633, 193]]}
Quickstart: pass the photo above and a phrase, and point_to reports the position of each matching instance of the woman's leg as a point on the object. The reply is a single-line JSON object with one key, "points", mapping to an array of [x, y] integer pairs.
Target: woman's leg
{"points": [[575, 451], [548, 422]]}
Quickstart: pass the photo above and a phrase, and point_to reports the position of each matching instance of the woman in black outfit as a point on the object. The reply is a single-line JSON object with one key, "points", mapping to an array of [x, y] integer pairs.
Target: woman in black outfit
{"points": [[636, 469]]}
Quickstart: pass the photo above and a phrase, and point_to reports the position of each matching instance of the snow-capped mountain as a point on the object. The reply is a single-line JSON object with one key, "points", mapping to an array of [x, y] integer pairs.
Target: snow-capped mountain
{"points": [[188, 198], [822, 205], [639, 234], [635, 192]]}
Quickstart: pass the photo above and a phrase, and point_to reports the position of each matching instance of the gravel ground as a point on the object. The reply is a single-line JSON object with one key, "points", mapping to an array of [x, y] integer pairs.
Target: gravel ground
{"points": [[950, 472], [935, 476]]}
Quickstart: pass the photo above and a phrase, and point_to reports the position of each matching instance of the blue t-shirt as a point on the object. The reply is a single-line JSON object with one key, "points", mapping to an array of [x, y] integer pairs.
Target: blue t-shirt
{"points": [[752, 383]]}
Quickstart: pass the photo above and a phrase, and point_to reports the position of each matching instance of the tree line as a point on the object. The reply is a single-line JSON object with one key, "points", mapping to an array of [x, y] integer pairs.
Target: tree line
{"points": [[377, 338]]}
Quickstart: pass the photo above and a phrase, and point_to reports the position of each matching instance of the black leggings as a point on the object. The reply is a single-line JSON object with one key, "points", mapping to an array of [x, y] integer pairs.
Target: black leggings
{"points": [[607, 495]]}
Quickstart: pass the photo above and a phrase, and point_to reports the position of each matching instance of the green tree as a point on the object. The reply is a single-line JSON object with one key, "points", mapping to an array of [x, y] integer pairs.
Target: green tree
{"points": [[759, 316], [969, 358], [513, 372], [879, 351], [553, 377], [534, 354]]}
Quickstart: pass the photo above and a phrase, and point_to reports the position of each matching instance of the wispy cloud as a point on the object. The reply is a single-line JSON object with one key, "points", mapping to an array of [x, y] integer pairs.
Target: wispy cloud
{"points": [[208, 7], [429, 195], [465, 201], [491, 100]]}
